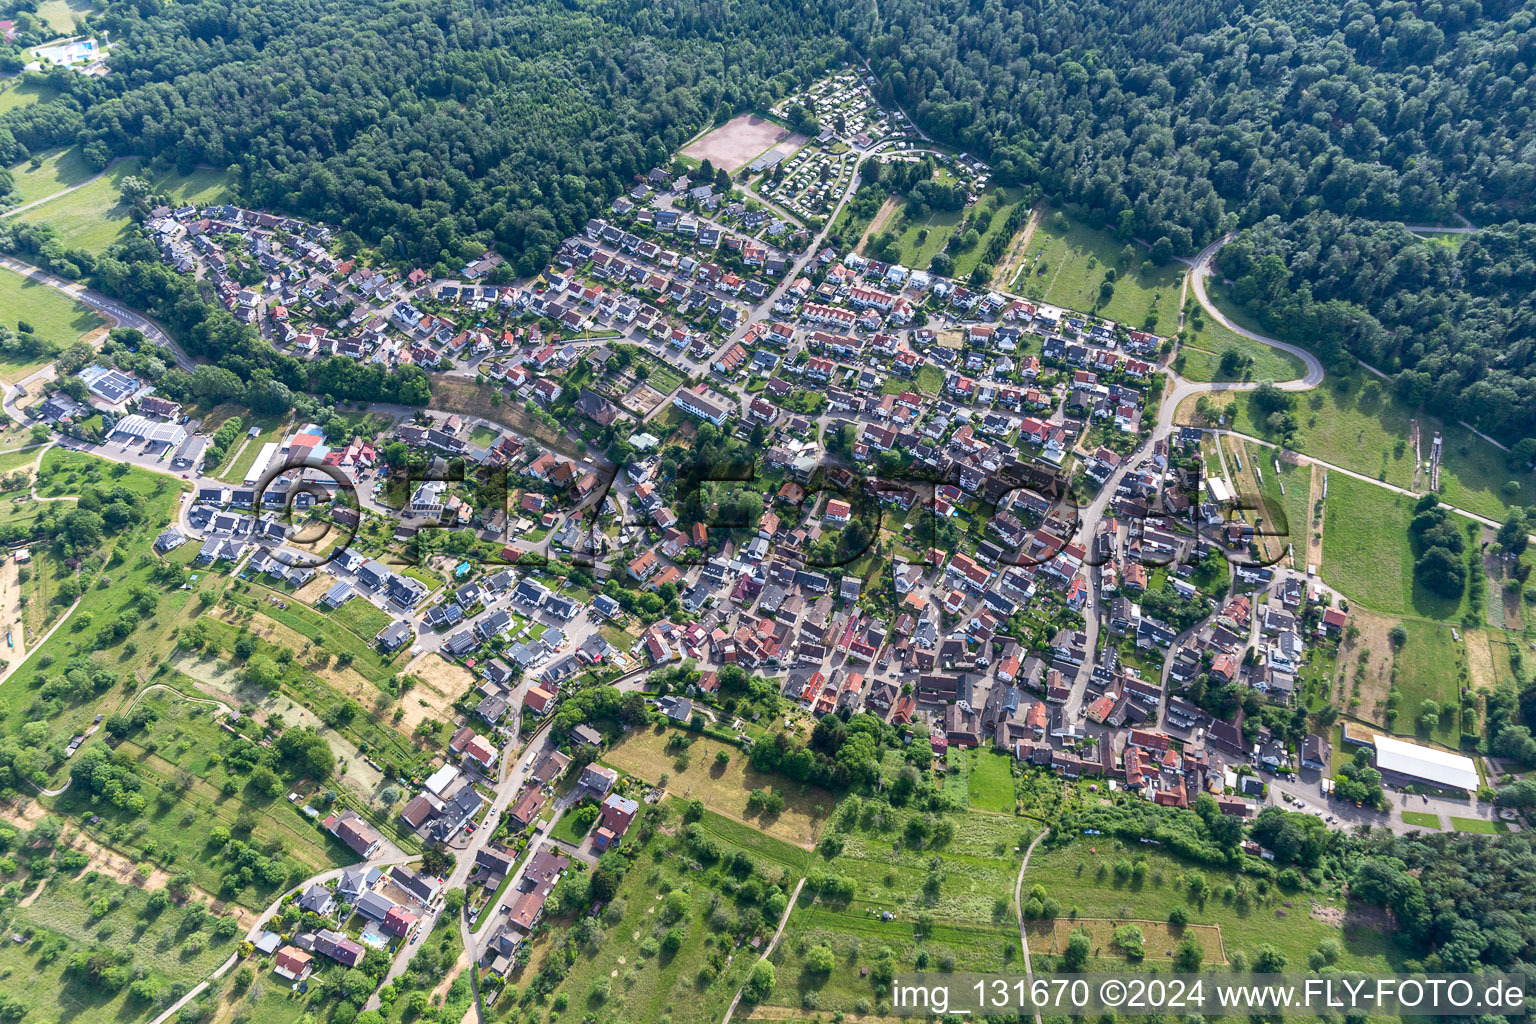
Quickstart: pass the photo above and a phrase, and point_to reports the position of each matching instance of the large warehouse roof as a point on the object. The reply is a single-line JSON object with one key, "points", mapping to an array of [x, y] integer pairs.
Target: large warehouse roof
{"points": [[1441, 767]]}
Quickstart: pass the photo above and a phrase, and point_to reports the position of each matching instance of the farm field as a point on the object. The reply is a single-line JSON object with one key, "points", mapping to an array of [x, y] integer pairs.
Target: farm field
{"points": [[54, 317], [94, 216], [1067, 248], [1366, 554], [644, 754]]}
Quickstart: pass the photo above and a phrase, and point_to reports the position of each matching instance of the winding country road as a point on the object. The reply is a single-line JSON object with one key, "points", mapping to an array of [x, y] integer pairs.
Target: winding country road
{"points": [[1200, 269], [109, 308]]}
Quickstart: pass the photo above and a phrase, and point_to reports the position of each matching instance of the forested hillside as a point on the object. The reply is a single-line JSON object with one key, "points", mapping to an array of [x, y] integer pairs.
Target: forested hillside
{"points": [[1185, 119], [440, 128], [1456, 325]]}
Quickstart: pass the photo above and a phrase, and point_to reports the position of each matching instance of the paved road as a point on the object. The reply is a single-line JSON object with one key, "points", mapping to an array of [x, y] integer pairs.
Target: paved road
{"points": [[1200, 269], [108, 308]]}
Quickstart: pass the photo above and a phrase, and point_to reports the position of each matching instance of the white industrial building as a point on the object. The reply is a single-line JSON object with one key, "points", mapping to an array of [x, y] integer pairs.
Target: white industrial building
{"points": [[1402, 762], [151, 432]]}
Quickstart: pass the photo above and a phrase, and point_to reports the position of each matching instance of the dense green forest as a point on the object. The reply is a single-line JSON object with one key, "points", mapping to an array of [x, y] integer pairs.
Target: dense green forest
{"points": [[1456, 325], [1187, 119], [438, 129]]}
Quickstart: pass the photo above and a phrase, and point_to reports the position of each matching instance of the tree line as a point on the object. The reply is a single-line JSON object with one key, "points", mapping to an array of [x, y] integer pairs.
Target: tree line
{"points": [[1453, 325]]}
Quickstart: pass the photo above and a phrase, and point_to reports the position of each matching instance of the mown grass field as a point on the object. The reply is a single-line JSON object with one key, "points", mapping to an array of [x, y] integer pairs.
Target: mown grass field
{"points": [[1067, 249], [54, 317], [1477, 825], [95, 216], [18, 94], [1071, 874], [1203, 347], [991, 781], [1366, 554], [54, 172], [1423, 819]]}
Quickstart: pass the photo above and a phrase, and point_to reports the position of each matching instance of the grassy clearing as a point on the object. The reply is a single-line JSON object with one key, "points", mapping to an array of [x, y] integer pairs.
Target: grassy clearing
{"points": [[1080, 880], [1005, 199], [920, 239], [1430, 666], [991, 781], [46, 174], [60, 14], [361, 616], [695, 775], [54, 317], [1366, 554], [94, 216], [1423, 819], [1203, 347], [19, 94], [1074, 259]]}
